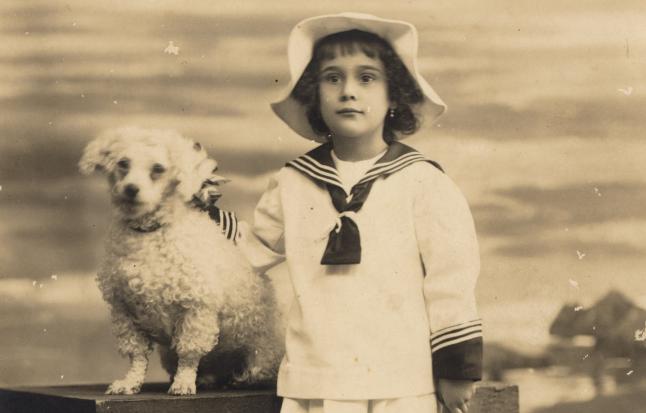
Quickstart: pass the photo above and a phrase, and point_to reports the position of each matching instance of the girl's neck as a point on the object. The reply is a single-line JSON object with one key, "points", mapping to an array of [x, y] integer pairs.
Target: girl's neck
{"points": [[358, 148]]}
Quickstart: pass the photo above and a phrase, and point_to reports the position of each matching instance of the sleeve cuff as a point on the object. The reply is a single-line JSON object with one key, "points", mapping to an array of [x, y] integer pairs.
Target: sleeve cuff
{"points": [[457, 352]]}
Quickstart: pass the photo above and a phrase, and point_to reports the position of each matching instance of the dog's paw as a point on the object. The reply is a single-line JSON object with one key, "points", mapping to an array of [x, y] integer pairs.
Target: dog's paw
{"points": [[259, 375], [207, 381], [241, 377], [123, 387], [251, 376], [182, 388]]}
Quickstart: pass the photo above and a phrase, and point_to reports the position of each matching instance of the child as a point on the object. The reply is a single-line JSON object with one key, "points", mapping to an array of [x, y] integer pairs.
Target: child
{"points": [[379, 242]]}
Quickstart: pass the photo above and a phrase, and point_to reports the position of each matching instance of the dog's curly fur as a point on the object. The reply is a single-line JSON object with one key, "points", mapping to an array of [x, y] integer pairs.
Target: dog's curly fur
{"points": [[170, 276]]}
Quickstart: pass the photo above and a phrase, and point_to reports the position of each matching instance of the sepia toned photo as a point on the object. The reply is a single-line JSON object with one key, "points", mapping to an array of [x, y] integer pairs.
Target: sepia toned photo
{"points": [[291, 206]]}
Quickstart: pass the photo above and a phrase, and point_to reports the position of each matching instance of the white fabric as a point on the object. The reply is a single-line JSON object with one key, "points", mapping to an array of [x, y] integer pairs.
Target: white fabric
{"points": [[426, 403], [350, 172], [359, 332]]}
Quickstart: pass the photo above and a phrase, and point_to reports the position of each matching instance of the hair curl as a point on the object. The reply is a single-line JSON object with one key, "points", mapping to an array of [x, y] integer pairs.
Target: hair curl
{"points": [[403, 91]]}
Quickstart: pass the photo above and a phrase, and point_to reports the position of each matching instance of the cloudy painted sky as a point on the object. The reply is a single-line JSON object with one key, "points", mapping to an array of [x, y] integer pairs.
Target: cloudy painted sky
{"points": [[544, 132]]}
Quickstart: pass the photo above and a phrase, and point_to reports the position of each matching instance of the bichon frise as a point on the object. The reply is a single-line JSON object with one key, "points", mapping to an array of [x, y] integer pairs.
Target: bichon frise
{"points": [[170, 275]]}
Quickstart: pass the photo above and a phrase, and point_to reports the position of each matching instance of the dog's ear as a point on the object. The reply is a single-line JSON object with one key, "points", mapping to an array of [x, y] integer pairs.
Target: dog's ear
{"points": [[192, 167], [98, 155]]}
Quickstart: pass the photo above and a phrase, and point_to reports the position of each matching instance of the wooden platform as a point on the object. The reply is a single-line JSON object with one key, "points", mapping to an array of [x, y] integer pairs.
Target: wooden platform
{"points": [[490, 398]]}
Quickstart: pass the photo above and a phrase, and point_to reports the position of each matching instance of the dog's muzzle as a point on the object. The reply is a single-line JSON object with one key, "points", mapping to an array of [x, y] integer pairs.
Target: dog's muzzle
{"points": [[131, 191]]}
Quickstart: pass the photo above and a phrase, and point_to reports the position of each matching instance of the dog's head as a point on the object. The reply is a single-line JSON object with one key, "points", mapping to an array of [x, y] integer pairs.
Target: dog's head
{"points": [[146, 166]]}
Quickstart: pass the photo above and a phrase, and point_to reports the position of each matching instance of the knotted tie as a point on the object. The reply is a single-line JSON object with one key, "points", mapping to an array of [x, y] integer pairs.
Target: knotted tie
{"points": [[344, 242]]}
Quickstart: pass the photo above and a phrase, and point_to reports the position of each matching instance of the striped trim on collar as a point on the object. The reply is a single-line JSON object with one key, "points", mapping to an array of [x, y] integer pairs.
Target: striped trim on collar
{"points": [[316, 170], [387, 168], [318, 163]]}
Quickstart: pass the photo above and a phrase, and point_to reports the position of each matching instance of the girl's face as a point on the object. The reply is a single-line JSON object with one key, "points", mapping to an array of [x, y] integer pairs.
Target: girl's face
{"points": [[353, 92]]}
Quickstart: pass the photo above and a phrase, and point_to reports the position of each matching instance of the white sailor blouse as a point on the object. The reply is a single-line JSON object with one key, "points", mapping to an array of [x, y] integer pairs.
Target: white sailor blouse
{"points": [[377, 275]]}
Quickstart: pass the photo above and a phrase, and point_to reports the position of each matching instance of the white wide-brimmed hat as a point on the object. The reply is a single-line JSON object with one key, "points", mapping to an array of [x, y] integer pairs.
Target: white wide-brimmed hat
{"points": [[401, 35]]}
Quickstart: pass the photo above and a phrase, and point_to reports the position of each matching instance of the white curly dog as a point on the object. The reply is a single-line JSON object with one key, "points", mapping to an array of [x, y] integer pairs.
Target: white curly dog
{"points": [[171, 276]]}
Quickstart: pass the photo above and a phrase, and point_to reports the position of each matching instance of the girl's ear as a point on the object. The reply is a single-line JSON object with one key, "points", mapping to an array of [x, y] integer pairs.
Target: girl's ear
{"points": [[191, 165], [98, 155]]}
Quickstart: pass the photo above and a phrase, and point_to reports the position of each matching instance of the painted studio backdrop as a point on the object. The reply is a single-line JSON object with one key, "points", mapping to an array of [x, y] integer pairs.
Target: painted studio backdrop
{"points": [[544, 135]]}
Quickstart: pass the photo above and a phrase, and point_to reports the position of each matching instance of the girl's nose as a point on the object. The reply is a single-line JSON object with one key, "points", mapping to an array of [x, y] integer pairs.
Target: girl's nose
{"points": [[348, 92]]}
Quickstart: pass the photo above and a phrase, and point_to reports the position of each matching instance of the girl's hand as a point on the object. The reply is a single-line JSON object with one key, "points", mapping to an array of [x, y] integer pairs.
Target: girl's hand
{"points": [[456, 394]]}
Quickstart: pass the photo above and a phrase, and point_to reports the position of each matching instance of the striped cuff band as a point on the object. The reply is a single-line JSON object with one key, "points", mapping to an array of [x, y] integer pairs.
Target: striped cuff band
{"points": [[457, 352], [456, 334]]}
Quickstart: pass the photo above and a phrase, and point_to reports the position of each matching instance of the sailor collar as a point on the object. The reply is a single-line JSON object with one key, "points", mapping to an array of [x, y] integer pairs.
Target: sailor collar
{"points": [[318, 164], [344, 242]]}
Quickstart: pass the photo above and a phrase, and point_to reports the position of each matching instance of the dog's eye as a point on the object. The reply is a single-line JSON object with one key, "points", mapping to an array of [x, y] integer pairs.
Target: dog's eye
{"points": [[123, 164], [158, 169]]}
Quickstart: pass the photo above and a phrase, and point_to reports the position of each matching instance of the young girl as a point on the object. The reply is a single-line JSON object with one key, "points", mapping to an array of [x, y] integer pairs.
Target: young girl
{"points": [[379, 242]]}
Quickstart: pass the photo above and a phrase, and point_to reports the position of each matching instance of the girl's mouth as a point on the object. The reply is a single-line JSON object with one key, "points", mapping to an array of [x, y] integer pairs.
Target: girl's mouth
{"points": [[348, 111]]}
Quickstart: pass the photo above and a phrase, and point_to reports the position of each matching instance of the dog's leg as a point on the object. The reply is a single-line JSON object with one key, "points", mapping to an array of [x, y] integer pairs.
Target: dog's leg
{"points": [[168, 359], [136, 346], [196, 336], [263, 358], [265, 344], [263, 364]]}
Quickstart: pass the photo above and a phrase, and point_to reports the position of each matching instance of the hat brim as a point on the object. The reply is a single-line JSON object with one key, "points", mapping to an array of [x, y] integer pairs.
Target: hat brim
{"points": [[401, 35]]}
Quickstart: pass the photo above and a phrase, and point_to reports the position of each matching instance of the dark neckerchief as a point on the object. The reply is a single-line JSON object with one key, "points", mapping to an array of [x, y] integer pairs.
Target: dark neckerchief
{"points": [[344, 242]]}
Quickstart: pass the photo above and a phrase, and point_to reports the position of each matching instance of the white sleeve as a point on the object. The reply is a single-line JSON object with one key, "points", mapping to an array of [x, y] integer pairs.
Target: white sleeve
{"points": [[449, 250], [263, 243]]}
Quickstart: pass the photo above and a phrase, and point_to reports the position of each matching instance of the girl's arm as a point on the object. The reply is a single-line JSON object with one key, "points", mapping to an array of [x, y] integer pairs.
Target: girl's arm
{"points": [[449, 251], [263, 244]]}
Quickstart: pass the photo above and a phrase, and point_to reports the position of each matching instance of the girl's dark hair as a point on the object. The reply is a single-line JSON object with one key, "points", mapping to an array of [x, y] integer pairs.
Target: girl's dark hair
{"points": [[403, 90]]}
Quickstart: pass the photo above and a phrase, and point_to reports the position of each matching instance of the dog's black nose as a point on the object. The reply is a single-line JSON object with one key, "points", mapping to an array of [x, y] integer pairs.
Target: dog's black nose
{"points": [[131, 190]]}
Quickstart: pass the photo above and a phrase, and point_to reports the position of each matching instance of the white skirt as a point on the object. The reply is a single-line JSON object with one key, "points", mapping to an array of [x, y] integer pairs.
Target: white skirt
{"points": [[417, 404]]}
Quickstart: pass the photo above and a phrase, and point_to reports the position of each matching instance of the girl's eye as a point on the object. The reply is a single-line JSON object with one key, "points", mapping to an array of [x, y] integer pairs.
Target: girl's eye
{"points": [[123, 164], [366, 78], [332, 78], [158, 169]]}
